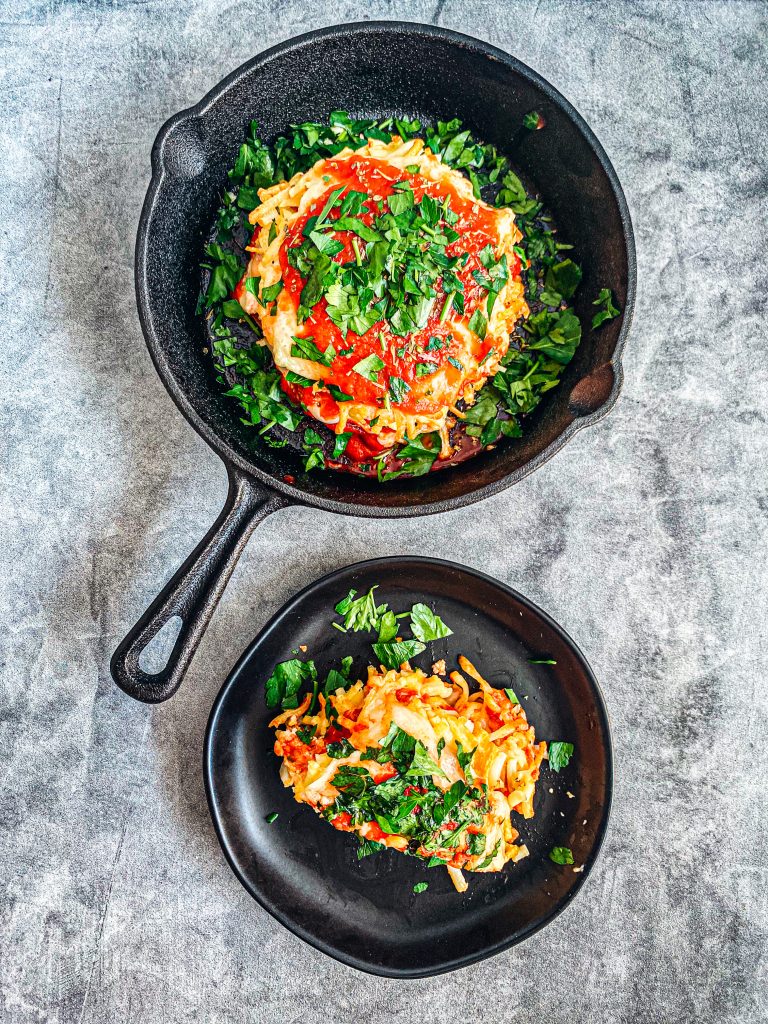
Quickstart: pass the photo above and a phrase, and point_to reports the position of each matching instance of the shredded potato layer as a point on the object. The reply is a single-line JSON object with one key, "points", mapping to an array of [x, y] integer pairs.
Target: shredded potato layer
{"points": [[479, 738]]}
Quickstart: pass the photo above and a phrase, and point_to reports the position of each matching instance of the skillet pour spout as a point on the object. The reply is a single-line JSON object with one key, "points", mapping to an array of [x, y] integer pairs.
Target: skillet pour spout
{"points": [[441, 74]]}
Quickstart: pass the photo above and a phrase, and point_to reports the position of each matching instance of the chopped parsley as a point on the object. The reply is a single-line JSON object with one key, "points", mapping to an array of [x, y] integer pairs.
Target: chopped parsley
{"points": [[400, 784], [421, 887], [341, 749], [370, 367], [360, 613], [426, 625], [402, 273], [409, 802], [607, 310], [340, 442], [398, 389], [561, 855], [392, 655], [387, 627], [559, 754], [286, 680]]}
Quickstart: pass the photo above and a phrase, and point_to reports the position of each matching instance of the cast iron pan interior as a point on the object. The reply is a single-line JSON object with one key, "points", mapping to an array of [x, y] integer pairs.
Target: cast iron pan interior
{"points": [[379, 69], [307, 875]]}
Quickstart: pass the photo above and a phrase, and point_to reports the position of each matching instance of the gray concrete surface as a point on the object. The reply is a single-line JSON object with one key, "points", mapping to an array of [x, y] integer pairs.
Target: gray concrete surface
{"points": [[117, 905]]}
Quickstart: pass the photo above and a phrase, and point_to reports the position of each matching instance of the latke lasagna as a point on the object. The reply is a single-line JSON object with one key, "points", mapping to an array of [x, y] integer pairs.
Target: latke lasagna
{"points": [[416, 763], [385, 290]]}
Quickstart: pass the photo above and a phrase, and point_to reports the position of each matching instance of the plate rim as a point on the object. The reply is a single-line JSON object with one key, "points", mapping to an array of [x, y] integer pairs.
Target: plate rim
{"points": [[366, 966]]}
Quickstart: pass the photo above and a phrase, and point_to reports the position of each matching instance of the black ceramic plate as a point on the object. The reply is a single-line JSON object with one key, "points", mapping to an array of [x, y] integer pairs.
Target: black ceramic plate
{"points": [[307, 875]]}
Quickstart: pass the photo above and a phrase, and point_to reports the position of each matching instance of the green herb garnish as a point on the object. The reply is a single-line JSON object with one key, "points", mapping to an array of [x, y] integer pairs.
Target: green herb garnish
{"points": [[400, 271], [607, 310], [286, 680], [392, 655], [361, 613], [426, 625], [370, 367], [559, 754], [561, 855]]}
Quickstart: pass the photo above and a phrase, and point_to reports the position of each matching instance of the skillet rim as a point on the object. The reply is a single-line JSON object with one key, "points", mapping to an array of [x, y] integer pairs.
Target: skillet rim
{"points": [[231, 458], [295, 928]]}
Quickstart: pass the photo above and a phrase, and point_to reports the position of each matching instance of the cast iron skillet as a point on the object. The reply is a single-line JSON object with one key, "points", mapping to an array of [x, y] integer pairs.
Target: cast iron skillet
{"points": [[373, 69], [307, 875]]}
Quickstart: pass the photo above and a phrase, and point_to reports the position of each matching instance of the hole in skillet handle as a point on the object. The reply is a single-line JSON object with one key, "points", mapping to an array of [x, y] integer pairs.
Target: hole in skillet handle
{"points": [[187, 602], [592, 392], [158, 652]]}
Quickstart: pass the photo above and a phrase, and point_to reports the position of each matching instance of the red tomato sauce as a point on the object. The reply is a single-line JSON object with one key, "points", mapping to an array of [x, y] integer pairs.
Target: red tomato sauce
{"points": [[336, 733], [374, 832], [476, 227], [298, 753]]}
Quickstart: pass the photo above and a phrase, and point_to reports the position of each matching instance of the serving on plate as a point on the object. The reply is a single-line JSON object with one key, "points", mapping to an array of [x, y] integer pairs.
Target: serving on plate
{"points": [[347, 768], [442, 76]]}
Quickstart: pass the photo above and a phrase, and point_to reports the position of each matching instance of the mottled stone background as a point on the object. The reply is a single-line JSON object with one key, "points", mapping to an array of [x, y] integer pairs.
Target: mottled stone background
{"points": [[646, 538]]}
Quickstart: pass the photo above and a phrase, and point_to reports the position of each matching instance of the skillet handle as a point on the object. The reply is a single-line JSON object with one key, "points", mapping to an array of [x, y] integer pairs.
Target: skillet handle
{"points": [[192, 594]]}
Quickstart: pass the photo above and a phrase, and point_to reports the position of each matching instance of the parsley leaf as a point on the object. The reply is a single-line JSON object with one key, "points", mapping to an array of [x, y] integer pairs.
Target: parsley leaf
{"points": [[271, 293], [426, 625], [564, 278], [398, 389], [338, 394], [370, 367], [489, 859], [305, 348], [361, 613], [341, 749], [478, 324], [286, 680], [607, 311], [463, 757], [392, 655], [421, 887], [367, 847], [561, 855], [387, 627], [422, 763], [417, 456], [401, 201], [559, 755], [340, 444], [224, 275], [345, 603]]}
